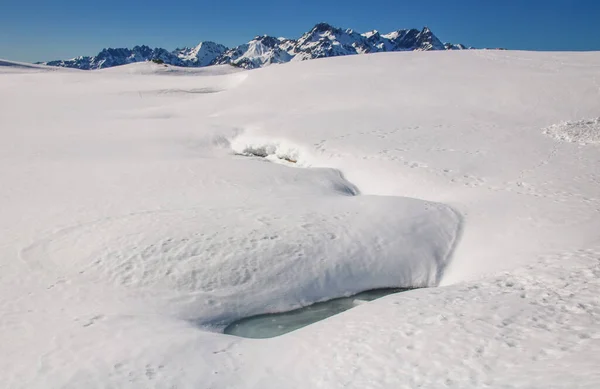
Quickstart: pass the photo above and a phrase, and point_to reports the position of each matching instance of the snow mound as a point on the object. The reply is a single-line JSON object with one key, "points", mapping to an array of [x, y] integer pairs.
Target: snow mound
{"points": [[322, 248], [586, 131], [161, 80], [273, 150]]}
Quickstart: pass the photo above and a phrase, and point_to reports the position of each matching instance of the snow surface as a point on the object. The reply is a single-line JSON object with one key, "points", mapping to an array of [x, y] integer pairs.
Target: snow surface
{"points": [[21, 67], [141, 214], [580, 131], [202, 55]]}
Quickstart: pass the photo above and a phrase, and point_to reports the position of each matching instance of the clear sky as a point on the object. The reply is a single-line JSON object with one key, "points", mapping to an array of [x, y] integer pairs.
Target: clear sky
{"points": [[39, 30]]}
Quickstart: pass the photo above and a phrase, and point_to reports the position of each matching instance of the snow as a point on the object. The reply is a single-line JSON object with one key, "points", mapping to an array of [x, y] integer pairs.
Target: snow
{"points": [[151, 68], [579, 131], [21, 67], [142, 213]]}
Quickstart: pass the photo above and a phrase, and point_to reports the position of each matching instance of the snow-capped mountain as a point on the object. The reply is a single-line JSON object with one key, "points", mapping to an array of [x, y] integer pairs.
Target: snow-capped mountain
{"points": [[114, 57], [323, 40], [260, 51], [202, 55]]}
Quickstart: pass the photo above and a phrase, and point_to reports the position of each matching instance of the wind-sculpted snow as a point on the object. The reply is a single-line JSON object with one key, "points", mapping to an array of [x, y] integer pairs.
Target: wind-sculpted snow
{"points": [[319, 248], [140, 216]]}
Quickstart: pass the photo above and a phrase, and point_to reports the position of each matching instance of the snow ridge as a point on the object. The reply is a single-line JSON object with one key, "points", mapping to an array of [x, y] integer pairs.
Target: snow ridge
{"points": [[322, 41], [289, 154]]}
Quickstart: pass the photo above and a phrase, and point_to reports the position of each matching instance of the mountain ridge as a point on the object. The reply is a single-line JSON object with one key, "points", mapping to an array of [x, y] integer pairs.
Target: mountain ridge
{"points": [[322, 41]]}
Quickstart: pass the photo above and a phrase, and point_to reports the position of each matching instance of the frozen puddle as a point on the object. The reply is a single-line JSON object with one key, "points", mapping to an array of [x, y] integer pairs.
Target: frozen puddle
{"points": [[272, 325]]}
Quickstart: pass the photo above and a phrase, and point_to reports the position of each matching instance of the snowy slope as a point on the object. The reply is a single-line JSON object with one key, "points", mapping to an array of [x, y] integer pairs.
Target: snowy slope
{"points": [[24, 67], [147, 206]]}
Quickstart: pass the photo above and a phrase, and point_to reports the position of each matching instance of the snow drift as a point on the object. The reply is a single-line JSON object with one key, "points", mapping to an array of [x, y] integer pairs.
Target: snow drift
{"points": [[133, 231]]}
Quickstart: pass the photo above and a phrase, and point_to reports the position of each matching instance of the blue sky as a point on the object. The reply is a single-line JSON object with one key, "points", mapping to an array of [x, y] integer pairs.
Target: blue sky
{"points": [[36, 30]]}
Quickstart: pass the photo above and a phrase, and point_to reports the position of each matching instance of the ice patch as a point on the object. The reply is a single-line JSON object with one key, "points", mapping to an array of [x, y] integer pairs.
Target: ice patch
{"points": [[586, 131], [276, 324], [323, 247]]}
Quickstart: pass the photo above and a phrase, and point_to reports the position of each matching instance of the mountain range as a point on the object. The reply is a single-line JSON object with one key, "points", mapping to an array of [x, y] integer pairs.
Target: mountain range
{"points": [[323, 40]]}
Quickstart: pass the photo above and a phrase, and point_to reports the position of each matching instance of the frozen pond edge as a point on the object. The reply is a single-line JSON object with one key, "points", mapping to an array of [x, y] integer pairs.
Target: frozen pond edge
{"points": [[270, 325]]}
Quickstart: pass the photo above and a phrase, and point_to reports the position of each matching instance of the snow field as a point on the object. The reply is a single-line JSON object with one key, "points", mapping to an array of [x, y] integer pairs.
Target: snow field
{"points": [[141, 214]]}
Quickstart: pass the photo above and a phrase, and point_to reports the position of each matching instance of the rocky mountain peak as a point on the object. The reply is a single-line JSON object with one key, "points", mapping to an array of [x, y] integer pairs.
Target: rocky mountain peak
{"points": [[323, 40]]}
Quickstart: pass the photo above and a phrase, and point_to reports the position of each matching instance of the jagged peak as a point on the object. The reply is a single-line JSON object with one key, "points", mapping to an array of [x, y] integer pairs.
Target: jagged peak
{"points": [[209, 43], [426, 32], [269, 41], [323, 27], [401, 32]]}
